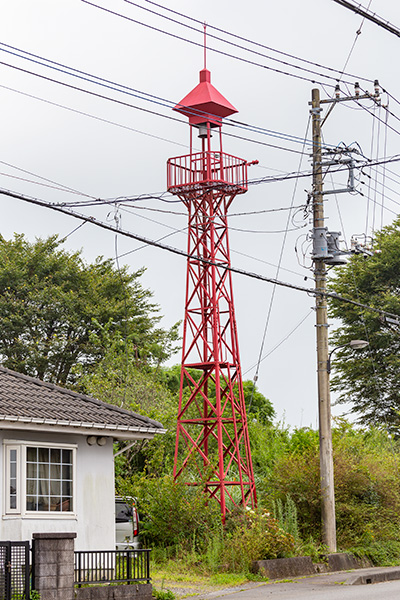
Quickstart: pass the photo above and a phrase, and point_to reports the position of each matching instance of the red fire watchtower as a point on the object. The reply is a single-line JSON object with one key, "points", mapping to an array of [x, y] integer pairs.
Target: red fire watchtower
{"points": [[212, 442]]}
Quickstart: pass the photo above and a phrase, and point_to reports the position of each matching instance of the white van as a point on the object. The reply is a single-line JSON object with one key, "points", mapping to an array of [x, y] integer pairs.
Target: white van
{"points": [[126, 524]]}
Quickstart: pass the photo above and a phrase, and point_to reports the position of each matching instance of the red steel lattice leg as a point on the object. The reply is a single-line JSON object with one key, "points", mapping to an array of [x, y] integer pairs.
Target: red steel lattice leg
{"points": [[212, 441]]}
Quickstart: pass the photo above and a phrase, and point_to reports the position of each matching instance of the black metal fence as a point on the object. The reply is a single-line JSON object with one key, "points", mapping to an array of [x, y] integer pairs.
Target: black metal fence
{"points": [[14, 570], [109, 566]]}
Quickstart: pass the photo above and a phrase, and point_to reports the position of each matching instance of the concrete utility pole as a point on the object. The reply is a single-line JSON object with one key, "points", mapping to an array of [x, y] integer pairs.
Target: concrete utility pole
{"points": [[324, 400], [326, 251]]}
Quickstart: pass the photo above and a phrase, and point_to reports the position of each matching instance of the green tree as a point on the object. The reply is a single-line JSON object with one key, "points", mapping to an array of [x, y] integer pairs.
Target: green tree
{"points": [[119, 380], [369, 378], [56, 311]]}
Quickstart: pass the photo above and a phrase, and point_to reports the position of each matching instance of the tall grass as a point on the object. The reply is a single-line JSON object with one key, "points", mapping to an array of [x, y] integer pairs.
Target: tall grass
{"points": [[285, 512]]}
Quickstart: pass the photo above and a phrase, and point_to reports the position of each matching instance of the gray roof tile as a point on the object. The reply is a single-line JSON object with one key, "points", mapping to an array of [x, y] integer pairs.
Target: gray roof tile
{"points": [[29, 398]]}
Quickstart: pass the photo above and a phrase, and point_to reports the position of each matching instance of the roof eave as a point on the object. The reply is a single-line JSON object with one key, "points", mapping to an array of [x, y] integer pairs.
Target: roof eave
{"points": [[120, 432]]}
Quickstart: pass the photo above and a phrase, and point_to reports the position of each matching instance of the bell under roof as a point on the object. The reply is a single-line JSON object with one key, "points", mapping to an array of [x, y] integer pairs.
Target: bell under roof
{"points": [[205, 103]]}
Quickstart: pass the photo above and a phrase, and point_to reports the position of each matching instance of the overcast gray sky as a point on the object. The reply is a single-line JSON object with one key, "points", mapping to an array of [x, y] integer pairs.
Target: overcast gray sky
{"points": [[106, 150]]}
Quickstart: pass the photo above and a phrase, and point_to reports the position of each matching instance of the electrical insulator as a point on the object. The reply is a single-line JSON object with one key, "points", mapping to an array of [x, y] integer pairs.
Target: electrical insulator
{"points": [[357, 89], [376, 87], [337, 90]]}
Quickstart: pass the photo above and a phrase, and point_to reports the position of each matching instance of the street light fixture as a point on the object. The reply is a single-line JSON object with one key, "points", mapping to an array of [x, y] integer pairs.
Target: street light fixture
{"points": [[354, 344]]}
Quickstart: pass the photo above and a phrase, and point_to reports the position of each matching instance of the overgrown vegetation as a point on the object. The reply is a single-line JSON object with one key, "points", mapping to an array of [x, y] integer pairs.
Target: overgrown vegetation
{"points": [[179, 525], [94, 328]]}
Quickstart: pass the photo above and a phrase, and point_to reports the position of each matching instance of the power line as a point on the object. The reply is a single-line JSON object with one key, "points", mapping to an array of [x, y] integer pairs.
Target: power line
{"points": [[268, 179], [198, 44], [108, 84], [294, 175], [358, 33], [283, 340], [265, 262], [129, 105], [367, 14], [247, 40], [242, 214], [374, 100], [267, 232], [266, 210], [130, 210], [392, 114], [91, 116], [269, 312], [177, 251], [143, 95], [236, 45], [61, 186], [91, 93]]}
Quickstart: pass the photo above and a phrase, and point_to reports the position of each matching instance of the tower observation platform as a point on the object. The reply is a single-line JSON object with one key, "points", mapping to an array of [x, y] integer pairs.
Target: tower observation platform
{"points": [[201, 170]]}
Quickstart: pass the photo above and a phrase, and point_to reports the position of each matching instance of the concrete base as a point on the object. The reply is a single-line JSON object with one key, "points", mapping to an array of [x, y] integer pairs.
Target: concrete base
{"points": [[140, 591], [283, 568]]}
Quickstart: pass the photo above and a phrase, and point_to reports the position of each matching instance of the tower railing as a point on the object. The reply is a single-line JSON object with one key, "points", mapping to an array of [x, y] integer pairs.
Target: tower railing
{"points": [[199, 170]]}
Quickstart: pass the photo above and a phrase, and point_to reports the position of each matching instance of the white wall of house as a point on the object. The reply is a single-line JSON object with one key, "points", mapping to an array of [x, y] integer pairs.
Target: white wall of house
{"points": [[93, 517]]}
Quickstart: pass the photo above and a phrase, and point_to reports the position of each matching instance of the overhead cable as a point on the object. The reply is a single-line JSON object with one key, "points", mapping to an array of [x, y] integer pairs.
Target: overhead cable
{"points": [[271, 302], [253, 42], [56, 183], [91, 116], [367, 14], [129, 105], [145, 96], [199, 44], [177, 251], [121, 88], [236, 45]]}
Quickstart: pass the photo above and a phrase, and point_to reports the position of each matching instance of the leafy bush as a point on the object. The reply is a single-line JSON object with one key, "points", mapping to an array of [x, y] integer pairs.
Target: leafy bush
{"points": [[384, 553], [254, 535], [367, 487], [174, 514]]}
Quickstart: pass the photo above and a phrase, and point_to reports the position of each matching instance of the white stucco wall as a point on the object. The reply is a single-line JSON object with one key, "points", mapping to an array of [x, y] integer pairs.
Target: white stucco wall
{"points": [[94, 518]]}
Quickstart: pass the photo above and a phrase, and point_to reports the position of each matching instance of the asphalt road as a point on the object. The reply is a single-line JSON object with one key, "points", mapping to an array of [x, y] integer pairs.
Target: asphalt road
{"points": [[331, 587]]}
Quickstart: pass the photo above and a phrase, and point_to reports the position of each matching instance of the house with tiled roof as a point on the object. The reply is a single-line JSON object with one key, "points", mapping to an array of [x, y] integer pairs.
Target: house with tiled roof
{"points": [[56, 452]]}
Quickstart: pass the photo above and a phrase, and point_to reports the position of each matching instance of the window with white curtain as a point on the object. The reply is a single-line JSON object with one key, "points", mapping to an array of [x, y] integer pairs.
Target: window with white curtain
{"points": [[39, 478]]}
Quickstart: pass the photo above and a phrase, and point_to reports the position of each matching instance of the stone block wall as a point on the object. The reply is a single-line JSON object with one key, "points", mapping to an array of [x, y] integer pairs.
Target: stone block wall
{"points": [[53, 574], [142, 591], [53, 560]]}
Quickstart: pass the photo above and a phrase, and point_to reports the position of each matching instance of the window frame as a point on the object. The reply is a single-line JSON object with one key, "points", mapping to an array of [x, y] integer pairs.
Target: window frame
{"points": [[21, 447], [7, 480]]}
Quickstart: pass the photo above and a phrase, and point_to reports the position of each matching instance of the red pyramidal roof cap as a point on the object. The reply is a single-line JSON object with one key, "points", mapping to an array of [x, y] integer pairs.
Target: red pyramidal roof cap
{"points": [[205, 103]]}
